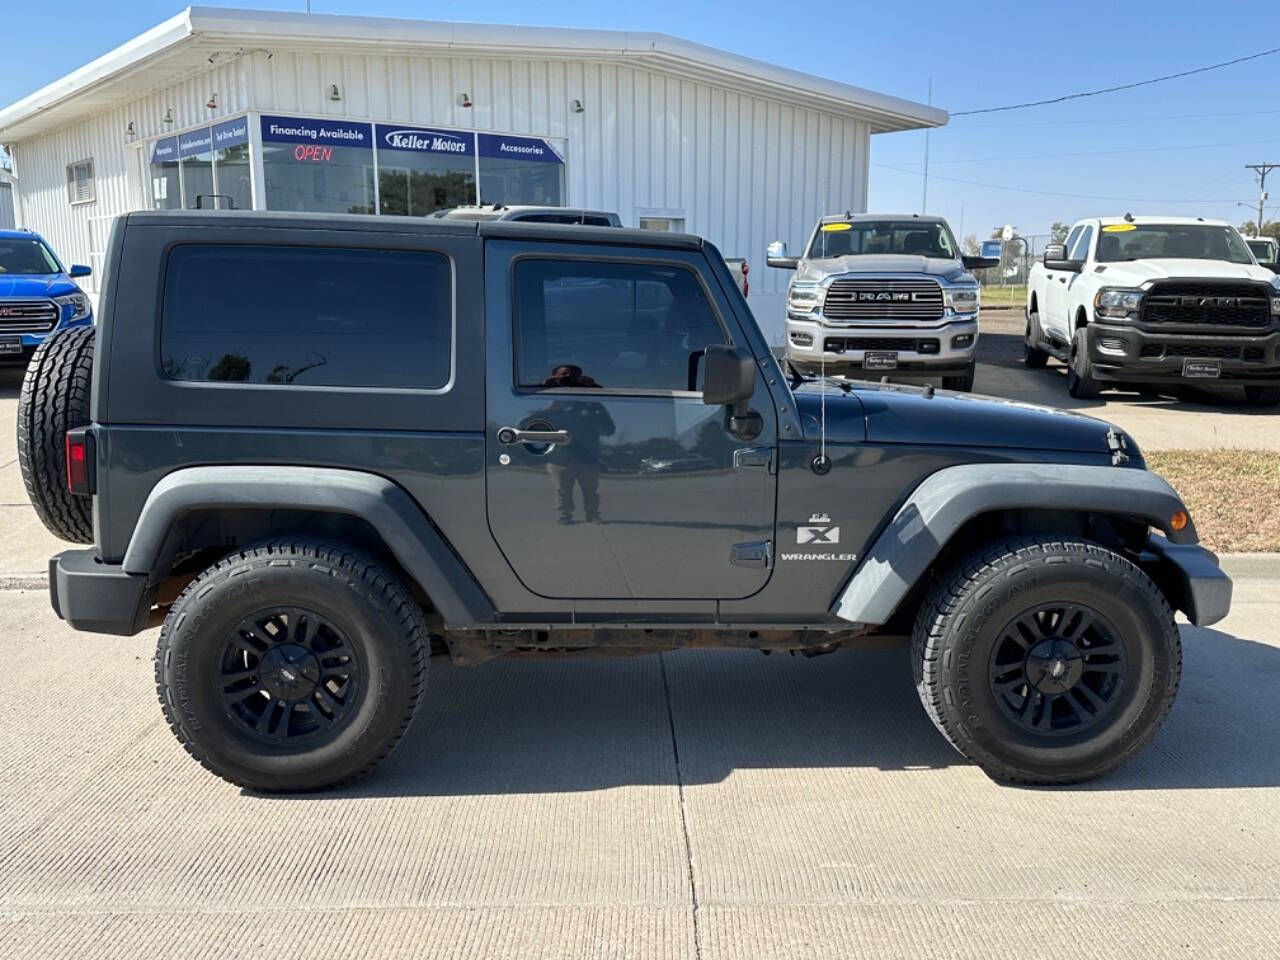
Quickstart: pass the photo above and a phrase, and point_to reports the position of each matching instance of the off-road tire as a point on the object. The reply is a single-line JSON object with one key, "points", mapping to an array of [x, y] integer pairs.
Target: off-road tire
{"points": [[1262, 396], [383, 625], [1080, 381], [963, 382], [965, 617], [53, 400], [1033, 355]]}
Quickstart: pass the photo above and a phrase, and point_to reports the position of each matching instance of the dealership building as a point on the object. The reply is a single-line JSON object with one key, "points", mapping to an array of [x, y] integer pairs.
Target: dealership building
{"points": [[219, 108]]}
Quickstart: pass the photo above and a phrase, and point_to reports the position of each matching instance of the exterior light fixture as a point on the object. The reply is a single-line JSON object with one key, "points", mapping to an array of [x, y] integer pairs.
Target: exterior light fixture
{"points": [[168, 115], [464, 99], [130, 130], [333, 92], [576, 106], [212, 102]]}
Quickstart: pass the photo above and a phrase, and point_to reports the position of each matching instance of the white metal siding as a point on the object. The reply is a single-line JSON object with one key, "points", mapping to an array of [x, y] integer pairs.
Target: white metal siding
{"points": [[7, 221], [741, 170]]}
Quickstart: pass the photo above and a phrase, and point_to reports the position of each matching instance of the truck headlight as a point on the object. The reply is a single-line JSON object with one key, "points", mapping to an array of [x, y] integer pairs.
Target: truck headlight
{"points": [[78, 303], [803, 299], [1275, 295], [1116, 304], [963, 300]]}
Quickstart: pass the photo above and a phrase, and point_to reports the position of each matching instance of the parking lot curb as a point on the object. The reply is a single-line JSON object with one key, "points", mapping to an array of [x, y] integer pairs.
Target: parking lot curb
{"points": [[1251, 566]]}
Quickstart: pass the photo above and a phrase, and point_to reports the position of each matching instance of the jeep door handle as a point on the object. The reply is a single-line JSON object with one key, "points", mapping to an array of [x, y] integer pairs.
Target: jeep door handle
{"points": [[510, 435]]}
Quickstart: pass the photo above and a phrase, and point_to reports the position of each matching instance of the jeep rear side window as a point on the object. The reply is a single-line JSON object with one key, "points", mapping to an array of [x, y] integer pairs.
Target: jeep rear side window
{"points": [[311, 316], [616, 326]]}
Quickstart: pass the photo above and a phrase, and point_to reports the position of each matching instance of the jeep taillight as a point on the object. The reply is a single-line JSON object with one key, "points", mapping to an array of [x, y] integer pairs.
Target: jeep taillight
{"points": [[79, 449]]}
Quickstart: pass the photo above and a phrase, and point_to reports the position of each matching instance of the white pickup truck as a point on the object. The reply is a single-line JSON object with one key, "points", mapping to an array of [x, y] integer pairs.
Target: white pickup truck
{"points": [[1155, 300]]}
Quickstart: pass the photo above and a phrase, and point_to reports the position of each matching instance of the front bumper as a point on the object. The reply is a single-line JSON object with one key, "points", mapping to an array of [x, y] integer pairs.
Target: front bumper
{"points": [[98, 597], [30, 341], [812, 345], [1136, 353], [1189, 574]]}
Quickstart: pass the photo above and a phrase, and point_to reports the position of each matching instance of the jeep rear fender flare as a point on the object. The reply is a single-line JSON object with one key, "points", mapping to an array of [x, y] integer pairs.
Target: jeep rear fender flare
{"points": [[396, 517], [946, 500]]}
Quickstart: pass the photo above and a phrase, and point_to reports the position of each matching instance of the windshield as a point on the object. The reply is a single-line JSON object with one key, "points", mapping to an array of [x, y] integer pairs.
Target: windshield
{"points": [[1181, 241], [870, 237], [1263, 250], [26, 255]]}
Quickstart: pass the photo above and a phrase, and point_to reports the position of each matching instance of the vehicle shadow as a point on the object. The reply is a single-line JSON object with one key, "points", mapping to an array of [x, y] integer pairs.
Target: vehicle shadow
{"points": [[517, 727], [1004, 350], [10, 382]]}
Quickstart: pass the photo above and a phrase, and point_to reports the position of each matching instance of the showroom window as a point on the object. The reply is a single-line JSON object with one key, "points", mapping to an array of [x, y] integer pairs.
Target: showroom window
{"points": [[422, 170], [195, 150], [231, 165], [620, 326], [520, 170], [166, 175], [308, 316], [318, 165]]}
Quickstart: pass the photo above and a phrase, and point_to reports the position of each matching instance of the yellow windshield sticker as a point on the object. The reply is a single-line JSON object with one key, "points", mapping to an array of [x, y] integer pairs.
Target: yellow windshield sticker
{"points": [[1118, 228], [835, 227]]}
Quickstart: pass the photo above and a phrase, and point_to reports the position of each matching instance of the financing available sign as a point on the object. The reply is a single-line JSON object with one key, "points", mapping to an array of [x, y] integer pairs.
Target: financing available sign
{"points": [[328, 133]]}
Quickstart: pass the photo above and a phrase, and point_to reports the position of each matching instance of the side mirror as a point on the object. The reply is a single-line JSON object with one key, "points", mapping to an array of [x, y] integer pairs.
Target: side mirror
{"points": [[775, 255], [979, 263], [729, 377], [79, 270], [1055, 258]]}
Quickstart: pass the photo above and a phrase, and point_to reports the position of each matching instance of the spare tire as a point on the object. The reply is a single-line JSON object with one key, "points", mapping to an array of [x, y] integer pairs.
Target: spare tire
{"points": [[55, 399]]}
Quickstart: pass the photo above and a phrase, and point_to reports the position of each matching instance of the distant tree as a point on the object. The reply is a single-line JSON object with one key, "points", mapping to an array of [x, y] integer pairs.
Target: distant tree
{"points": [[1058, 232], [970, 245], [1270, 228]]}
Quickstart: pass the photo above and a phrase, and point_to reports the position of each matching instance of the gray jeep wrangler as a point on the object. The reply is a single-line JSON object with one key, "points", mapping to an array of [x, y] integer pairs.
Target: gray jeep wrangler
{"points": [[321, 449]]}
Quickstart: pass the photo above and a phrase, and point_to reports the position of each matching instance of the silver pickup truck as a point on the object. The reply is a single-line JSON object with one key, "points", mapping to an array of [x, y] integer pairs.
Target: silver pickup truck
{"points": [[879, 294]]}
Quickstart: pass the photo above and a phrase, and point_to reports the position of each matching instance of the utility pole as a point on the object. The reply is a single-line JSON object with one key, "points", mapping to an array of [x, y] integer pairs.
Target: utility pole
{"points": [[924, 198], [1261, 169]]}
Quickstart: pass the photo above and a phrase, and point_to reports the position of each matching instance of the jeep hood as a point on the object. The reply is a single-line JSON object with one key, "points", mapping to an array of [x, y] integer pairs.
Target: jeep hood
{"points": [[1137, 272], [17, 286], [894, 413], [813, 271]]}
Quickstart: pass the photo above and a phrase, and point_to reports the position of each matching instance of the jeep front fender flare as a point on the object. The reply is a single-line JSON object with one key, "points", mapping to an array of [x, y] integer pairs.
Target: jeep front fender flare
{"points": [[397, 518], [946, 500]]}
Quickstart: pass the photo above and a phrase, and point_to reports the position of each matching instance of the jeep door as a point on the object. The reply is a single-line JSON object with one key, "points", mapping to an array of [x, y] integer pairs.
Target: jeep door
{"points": [[607, 475]]}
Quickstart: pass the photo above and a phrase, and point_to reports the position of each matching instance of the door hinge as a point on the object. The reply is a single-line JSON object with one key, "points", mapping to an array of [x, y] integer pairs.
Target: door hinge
{"points": [[753, 457], [758, 554]]}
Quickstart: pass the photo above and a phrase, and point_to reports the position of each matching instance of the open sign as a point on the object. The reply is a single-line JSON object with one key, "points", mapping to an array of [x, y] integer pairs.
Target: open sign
{"points": [[312, 153]]}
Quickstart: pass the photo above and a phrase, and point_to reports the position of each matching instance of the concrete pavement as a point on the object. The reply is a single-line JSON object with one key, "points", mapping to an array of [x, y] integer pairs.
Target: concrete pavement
{"points": [[700, 804]]}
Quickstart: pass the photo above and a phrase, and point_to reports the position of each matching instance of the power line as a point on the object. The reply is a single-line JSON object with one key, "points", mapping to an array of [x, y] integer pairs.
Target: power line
{"points": [[1118, 87], [1105, 153], [1045, 193], [1097, 120]]}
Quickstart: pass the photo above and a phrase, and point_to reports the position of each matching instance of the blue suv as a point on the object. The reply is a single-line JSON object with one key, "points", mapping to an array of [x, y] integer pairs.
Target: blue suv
{"points": [[37, 295]]}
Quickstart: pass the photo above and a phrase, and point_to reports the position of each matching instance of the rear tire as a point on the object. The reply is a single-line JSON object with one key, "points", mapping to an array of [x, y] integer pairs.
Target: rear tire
{"points": [[1262, 396], [962, 382], [1033, 355], [55, 399], [292, 665], [1080, 381], [1046, 660]]}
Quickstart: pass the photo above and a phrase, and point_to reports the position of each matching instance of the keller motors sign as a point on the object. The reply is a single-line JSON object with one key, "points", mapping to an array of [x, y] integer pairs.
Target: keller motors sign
{"points": [[425, 140]]}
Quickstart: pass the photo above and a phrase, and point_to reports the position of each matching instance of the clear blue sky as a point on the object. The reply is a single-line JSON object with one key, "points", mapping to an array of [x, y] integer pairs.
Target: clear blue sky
{"points": [[1184, 140]]}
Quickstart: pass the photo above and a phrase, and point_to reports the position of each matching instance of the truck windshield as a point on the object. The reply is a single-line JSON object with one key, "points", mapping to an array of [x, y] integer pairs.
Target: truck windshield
{"points": [[28, 256], [871, 237], [1180, 241], [1263, 250]]}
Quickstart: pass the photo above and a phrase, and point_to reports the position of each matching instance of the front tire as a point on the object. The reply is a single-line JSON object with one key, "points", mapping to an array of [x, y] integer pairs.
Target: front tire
{"points": [[1262, 396], [1047, 661], [1080, 380], [292, 665], [963, 382], [1033, 355]]}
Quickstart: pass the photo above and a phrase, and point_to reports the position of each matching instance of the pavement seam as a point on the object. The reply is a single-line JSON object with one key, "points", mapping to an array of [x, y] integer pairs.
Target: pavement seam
{"points": [[684, 819]]}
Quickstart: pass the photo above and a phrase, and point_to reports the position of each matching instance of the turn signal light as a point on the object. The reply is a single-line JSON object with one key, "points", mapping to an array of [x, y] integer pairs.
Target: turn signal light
{"points": [[1179, 520], [79, 455]]}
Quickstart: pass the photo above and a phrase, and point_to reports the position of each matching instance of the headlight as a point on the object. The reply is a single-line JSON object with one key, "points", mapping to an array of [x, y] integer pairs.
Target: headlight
{"points": [[1275, 295], [803, 299], [78, 303], [1117, 304], [963, 300]]}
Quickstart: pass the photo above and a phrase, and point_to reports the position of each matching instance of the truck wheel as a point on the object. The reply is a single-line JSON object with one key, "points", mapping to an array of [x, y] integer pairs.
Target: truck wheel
{"points": [[1033, 356], [1262, 396], [54, 399], [1080, 381], [962, 382], [292, 665], [1047, 660]]}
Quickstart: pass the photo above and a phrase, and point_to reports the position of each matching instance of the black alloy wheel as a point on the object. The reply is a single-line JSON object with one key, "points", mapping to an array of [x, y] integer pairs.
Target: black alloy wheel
{"points": [[289, 673], [1057, 669]]}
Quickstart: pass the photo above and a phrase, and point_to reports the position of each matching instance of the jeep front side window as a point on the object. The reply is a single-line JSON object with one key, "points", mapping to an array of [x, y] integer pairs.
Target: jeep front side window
{"points": [[619, 326]]}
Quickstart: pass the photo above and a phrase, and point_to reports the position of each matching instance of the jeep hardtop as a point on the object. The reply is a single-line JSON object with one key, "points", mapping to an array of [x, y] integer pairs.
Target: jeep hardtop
{"points": [[320, 449]]}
